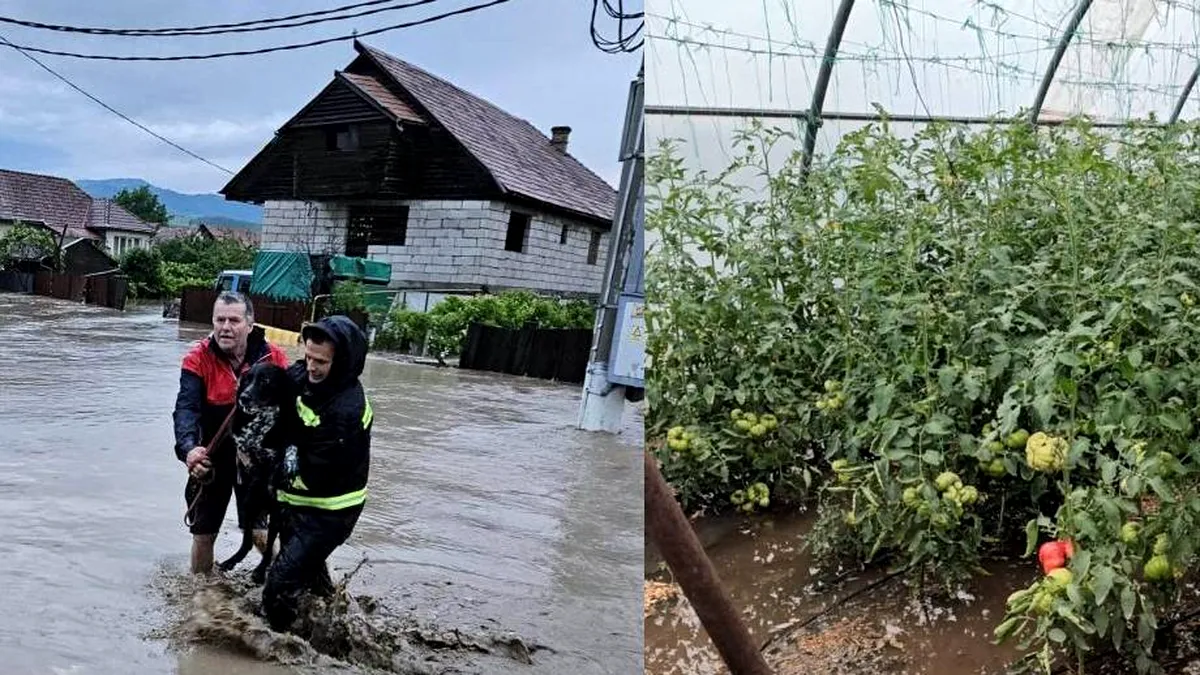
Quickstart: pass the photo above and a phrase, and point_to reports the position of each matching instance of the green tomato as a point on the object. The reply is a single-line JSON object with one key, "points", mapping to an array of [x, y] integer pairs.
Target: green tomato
{"points": [[996, 468], [1017, 439]]}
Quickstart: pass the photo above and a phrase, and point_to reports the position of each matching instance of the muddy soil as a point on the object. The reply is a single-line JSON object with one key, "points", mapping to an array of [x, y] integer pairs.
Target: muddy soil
{"points": [[343, 633], [865, 623]]}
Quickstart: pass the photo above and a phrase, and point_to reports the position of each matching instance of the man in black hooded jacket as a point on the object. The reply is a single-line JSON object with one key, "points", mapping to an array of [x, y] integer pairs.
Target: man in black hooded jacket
{"points": [[323, 487]]}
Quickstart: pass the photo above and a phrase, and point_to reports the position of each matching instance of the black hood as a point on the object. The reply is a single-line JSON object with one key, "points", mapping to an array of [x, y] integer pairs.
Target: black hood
{"points": [[349, 351]]}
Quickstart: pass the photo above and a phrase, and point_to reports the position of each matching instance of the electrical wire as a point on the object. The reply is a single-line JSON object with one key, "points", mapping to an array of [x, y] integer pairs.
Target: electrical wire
{"points": [[223, 29], [112, 110], [624, 42], [264, 50]]}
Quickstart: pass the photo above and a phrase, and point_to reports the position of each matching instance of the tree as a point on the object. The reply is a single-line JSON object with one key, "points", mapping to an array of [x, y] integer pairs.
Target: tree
{"points": [[142, 203], [143, 267], [26, 243]]}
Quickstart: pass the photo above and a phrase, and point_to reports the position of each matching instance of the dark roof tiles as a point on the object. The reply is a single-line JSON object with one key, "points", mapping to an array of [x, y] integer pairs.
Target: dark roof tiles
{"points": [[518, 156], [59, 204]]}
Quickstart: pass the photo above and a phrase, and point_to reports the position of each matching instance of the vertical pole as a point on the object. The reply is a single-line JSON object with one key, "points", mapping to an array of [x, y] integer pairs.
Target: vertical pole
{"points": [[815, 109], [602, 405], [1183, 95], [1048, 78], [671, 533]]}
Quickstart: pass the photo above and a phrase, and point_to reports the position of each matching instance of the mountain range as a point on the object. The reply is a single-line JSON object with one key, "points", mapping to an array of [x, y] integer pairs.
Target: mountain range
{"points": [[183, 208]]}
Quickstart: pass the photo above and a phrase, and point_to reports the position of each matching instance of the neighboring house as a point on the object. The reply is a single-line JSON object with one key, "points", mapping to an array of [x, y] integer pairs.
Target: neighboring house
{"points": [[246, 237], [392, 163], [73, 217]]}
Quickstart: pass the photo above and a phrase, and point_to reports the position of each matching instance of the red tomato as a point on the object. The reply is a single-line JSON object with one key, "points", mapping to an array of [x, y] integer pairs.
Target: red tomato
{"points": [[1051, 556]]}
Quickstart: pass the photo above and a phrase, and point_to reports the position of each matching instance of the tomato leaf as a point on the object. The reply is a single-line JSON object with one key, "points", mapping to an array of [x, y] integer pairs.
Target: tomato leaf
{"points": [[1102, 584], [1031, 537], [1135, 357], [1128, 601]]}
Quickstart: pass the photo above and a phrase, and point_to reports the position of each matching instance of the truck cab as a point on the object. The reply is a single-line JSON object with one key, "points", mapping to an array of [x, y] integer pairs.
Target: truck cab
{"points": [[237, 281]]}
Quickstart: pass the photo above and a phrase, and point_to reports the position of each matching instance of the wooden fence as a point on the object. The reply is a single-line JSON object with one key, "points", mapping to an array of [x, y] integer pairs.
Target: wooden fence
{"points": [[543, 353], [16, 282], [196, 305], [106, 290]]}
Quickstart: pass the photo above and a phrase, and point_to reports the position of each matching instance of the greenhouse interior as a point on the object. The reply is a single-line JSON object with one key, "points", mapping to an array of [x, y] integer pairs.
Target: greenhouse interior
{"points": [[922, 284]]}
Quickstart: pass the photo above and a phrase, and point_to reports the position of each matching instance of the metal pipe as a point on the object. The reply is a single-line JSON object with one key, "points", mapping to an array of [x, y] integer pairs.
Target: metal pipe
{"points": [[813, 122], [671, 533], [632, 141], [1183, 95], [769, 113], [1048, 79]]}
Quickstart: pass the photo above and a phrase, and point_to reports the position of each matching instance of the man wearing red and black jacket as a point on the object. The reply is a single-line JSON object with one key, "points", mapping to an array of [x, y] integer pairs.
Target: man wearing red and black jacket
{"points": [[325, 474], [207, 387]]}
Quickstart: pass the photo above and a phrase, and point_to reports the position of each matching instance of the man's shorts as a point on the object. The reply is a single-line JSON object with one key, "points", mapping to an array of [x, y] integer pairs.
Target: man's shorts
{"points": [[213, 500]]}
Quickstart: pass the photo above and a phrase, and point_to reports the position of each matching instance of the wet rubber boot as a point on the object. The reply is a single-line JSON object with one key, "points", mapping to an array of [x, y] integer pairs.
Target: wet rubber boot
{"points": [[202, 553]]}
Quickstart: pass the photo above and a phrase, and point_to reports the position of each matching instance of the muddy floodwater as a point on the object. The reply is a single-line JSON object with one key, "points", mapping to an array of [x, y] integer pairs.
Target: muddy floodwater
{"points": [[487, 509], [807, 625]]}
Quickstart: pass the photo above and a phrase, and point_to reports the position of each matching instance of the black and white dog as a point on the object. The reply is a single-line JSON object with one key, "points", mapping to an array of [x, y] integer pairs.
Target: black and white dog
{"points": [[264, 429]]}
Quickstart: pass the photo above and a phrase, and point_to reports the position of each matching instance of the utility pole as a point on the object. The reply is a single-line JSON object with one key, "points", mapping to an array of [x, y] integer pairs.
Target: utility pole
{"points": [[618, 341]]}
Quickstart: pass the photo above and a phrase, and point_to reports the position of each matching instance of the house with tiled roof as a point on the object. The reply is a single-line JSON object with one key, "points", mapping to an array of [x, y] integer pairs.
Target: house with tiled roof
{"points": [[393, 163], [74, 217], [244, 236]]}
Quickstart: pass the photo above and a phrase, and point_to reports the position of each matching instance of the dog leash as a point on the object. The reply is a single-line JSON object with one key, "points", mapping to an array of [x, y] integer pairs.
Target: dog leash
{"points": [[189, 516]]}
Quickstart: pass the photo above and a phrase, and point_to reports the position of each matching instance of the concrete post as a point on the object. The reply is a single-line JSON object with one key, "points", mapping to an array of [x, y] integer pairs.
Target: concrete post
{"points": [[602, 406]]}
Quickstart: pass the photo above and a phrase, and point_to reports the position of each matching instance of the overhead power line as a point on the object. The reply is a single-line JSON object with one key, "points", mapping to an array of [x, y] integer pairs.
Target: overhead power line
{"points": [[222, 29], [114, 111], [264, 50], [624, 42]]}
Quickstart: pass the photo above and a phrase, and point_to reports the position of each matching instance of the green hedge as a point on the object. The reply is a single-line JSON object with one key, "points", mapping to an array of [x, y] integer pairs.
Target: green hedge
{"points": [[445, 326]]}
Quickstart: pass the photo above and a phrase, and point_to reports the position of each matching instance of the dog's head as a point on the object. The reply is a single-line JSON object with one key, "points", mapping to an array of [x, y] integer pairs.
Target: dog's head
{"points": [[265, 385]]}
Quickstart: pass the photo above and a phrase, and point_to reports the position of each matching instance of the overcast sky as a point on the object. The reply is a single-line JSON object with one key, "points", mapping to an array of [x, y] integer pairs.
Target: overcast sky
{"points": [[533, 58]]}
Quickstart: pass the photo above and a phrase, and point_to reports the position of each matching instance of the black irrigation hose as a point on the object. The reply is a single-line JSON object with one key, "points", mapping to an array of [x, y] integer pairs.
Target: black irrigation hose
{"points": [[832, 606]]}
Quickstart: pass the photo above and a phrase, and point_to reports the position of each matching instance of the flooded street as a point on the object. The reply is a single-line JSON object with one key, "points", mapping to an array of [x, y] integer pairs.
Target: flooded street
{"points": [[486, 509]]}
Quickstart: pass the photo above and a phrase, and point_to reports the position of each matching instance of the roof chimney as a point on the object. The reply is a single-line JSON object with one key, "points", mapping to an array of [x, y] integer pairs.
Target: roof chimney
{"points": [[558, 138]]}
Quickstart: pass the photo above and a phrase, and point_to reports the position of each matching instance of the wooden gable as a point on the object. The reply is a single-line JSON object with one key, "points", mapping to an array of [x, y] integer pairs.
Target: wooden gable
{"points": [[336, 104]]}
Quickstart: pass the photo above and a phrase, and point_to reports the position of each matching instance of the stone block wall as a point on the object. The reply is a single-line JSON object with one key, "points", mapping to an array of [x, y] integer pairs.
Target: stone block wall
{"points": [[312, 227], [454, 244]]}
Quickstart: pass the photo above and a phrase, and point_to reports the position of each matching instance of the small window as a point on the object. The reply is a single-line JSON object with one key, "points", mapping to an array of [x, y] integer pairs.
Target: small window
{"points": [[375, 226], [594, 248], [562, 238], [341, 138], [518, 228]]}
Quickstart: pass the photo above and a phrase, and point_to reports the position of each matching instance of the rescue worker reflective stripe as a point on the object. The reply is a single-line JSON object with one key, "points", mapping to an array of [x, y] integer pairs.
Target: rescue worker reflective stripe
{"points": [[307, 414], [328, 503], [368, 414]]}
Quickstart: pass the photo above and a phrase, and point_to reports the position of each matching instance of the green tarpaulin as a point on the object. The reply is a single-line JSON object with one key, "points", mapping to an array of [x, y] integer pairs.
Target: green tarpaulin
{"points": [[370, 272], [345, 267], [376, 272], [282, 275]]}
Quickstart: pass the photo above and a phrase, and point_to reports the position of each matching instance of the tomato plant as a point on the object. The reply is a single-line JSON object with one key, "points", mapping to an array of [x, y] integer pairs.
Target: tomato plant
{"points": [[1011, 306]]}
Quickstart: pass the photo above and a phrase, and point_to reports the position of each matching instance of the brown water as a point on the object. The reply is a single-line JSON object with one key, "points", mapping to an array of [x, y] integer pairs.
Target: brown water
{"points": [[771, 578], [488, 510]]}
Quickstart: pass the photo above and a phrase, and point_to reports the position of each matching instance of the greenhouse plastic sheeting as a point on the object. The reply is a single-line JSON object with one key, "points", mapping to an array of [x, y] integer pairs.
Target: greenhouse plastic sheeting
{"points": [[719, 64], [282, 275]]}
